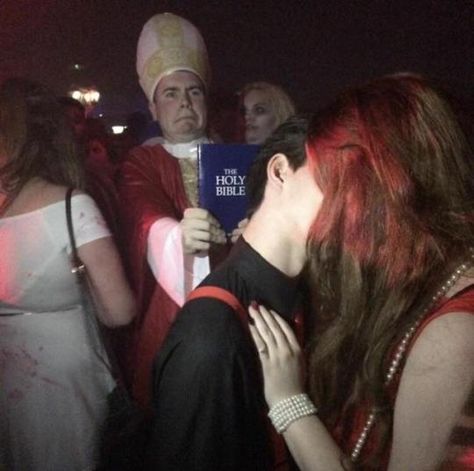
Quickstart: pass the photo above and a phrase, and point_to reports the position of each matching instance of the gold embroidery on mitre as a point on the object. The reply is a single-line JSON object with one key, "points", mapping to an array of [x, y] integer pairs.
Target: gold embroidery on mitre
{"points": [[173, 53], [170, 32], [163, 60], [198, 60]]}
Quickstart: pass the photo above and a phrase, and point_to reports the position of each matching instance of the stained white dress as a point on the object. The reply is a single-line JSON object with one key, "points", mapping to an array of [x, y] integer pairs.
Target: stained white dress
{"points": [[53, 385]]}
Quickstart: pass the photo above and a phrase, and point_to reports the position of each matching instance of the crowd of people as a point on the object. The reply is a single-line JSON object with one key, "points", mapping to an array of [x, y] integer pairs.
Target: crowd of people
{"points": [[332, 331]]}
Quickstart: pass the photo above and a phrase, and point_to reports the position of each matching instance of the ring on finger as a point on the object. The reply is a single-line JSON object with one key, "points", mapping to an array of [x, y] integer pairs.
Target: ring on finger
{"points": [[262, 350]]}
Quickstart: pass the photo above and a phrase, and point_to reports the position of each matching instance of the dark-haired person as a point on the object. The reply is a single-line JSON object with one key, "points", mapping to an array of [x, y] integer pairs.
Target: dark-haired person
{"points": [[208, 398], [391, 254], [53, 383]]}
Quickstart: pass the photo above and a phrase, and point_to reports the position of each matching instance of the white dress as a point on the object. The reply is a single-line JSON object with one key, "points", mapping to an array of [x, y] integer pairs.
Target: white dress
{"points": [[53, 385]]}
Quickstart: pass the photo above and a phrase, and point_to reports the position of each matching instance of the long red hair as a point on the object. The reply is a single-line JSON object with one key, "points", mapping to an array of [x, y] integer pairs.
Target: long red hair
{"points": [[396, 174]]}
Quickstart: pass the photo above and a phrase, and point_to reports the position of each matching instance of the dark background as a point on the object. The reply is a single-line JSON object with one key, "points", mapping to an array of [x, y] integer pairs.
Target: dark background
{"points": [[312, 48]]}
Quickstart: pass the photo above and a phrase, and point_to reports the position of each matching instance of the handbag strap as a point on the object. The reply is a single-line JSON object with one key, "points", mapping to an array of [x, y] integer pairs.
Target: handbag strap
{"points": [[79, 270], [78, 266]]}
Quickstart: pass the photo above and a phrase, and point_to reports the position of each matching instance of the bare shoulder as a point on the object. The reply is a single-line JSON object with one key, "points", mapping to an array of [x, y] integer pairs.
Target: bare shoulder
{"points": [[435, 385], [446, 341], [36, 194], [54, 193]]}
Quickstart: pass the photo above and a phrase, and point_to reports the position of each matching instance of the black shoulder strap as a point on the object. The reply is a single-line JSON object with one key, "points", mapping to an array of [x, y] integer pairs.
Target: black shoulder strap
{"points": [[78, 265], [87, 298]]}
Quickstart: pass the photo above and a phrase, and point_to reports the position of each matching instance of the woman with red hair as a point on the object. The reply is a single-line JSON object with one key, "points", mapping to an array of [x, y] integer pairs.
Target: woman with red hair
{"points": [[391, 353]]}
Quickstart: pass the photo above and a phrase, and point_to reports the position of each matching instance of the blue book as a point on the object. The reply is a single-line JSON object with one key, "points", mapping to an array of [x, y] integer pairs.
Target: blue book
{"points": [[222, 170]]}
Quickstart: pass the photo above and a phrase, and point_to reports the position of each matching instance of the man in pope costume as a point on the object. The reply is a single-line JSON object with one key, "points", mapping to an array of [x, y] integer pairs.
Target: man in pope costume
{"points": [[167, 236]]}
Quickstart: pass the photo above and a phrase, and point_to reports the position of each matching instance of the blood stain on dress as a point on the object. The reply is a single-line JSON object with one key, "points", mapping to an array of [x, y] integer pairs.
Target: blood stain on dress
{"points": [[50, 381]]}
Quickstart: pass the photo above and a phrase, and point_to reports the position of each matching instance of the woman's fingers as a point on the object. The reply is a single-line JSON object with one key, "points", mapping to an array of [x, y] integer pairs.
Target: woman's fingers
{"points": [[261, 326], [281, 363], [287, 331], [273, 330], [259, 343], [273, 327], [281, 331]]}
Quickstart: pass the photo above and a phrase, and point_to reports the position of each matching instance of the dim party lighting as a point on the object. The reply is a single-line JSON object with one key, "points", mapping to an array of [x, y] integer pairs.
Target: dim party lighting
{"points": [[87, 96], [118, 129]]}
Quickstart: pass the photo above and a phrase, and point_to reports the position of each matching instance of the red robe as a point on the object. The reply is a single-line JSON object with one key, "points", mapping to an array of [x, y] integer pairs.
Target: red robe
{"points": [[150, 188]]}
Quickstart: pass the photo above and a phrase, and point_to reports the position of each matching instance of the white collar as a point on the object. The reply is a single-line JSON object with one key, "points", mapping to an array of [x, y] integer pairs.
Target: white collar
{"points": [[180, 150]]}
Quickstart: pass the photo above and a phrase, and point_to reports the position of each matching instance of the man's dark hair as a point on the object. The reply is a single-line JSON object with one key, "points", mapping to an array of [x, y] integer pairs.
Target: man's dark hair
{"points": [[289, 139]]}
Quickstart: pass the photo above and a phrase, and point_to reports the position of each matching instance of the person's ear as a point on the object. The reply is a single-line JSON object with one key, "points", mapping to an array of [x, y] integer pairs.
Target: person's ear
{"points": [[277, 169]]}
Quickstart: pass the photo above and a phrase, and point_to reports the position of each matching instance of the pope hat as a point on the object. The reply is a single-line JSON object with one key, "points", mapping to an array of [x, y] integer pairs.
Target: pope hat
{"points": [[169, 43]]}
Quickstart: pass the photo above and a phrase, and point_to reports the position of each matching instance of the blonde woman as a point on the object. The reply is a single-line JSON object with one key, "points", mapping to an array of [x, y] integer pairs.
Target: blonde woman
{"points": [[264, 107]]}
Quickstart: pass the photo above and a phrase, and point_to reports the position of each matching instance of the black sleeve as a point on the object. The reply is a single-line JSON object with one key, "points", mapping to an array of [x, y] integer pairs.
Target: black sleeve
{"points": [[207, 398]]}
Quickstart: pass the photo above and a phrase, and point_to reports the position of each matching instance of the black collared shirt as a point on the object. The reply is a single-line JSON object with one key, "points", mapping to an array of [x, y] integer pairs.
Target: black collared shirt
{"points": [[208, 398]]}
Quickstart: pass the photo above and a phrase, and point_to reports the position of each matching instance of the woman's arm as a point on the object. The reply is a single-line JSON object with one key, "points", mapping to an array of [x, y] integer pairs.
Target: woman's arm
{"points": [[108, 284], [435, 385], [309, 441]]}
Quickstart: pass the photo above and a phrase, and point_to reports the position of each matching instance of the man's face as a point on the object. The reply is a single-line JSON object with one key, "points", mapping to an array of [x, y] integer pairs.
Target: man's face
{"points": [[180, 107]]}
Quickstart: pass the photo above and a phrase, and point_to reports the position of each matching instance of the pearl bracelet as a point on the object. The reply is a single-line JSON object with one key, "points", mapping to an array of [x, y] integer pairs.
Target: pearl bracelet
{"points": [[286, 411]]}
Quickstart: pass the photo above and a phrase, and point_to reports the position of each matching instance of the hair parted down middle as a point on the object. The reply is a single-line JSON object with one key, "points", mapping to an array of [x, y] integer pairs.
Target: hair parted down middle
{"points": [[397, 178]]}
